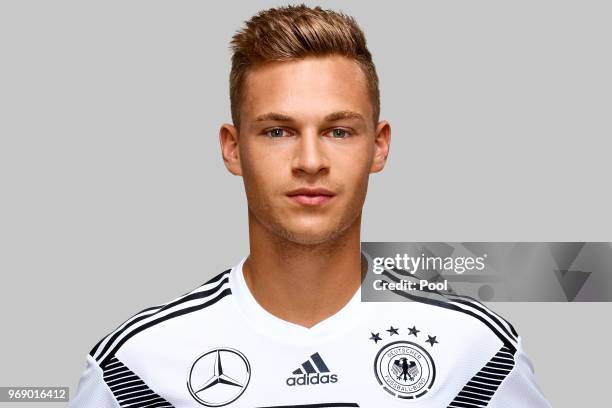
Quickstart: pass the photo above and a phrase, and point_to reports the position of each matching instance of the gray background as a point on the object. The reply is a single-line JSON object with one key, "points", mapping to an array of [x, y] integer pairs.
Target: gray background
{"points": [[114, 196]]}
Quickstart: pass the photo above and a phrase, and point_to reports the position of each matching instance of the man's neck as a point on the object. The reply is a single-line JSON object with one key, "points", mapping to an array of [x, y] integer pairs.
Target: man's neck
{"points": [[303, 284]]}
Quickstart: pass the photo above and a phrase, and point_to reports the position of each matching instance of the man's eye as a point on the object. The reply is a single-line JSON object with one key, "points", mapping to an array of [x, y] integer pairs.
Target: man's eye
{"points": [[339, 133], [277, 132]]}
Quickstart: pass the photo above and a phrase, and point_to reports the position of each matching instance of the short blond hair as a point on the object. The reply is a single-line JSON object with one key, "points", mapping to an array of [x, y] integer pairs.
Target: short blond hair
{"points": [[294, 32]]}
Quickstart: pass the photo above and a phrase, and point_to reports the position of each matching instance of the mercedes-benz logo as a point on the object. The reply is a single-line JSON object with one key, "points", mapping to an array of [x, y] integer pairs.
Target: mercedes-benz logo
{"points": [[218, 377]]}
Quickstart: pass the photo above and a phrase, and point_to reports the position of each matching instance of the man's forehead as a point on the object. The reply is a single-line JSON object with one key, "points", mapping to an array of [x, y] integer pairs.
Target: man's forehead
{"points": [[319, 87]]}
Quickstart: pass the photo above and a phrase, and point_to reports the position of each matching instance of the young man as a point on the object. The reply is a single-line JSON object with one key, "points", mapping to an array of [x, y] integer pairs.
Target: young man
{"points": [[285, 327]]}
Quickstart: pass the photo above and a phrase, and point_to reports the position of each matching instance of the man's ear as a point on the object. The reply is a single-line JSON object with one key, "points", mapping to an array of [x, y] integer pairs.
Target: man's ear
{"points": [[382, 143], [228, 139]]}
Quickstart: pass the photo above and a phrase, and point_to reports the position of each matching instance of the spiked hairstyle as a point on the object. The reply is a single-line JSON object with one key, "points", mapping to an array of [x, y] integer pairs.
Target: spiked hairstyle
{"points": [[294, 32]]}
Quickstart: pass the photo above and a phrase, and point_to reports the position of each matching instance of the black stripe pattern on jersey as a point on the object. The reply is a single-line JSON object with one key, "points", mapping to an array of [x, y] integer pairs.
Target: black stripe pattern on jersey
{"points": [[467, 300], [482, 386], [110, 344], [471, 308], [147, 311], [464, 300], [129, 389]]}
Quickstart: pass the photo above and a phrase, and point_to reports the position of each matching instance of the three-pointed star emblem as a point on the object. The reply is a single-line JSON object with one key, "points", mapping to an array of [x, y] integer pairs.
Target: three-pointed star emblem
{"points": [[218, 377]]}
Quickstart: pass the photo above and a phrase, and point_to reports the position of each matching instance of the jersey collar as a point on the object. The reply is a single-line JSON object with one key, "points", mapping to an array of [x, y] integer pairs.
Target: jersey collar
{"points": [[281, 330]]}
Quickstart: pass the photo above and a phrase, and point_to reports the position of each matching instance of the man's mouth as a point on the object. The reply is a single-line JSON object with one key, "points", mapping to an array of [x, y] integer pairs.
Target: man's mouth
{"points": [[310, 196]]}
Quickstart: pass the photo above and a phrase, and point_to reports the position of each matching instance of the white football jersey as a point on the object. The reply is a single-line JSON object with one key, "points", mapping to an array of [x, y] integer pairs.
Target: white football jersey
{"points": [[216, 346]]}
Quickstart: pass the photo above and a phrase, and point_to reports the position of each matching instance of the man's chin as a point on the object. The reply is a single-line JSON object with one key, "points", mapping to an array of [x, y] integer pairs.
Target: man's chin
{"points": [[309, 240], [312, 237], [306, 231]]}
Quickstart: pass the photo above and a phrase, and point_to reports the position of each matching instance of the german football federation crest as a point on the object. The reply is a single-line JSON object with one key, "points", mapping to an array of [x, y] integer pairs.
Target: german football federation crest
{"points": [[404, 368]]}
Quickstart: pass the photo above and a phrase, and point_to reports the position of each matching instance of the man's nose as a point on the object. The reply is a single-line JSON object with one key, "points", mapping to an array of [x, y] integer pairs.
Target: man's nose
{"points": [[309, 155]]}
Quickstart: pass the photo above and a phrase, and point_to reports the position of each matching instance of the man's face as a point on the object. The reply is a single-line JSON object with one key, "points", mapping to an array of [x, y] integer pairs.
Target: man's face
{"points": [[306, 145]]}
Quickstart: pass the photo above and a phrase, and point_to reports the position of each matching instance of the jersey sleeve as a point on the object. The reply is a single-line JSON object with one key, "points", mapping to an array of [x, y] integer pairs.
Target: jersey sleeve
{"points": [[520, 388], [92, 390]]}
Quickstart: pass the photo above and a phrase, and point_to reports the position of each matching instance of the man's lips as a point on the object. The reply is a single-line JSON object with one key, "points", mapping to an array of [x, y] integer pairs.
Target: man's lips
{"points": [[310, 196]]}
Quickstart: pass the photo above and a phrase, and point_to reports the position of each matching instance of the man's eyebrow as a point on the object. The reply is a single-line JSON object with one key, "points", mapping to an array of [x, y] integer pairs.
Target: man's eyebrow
{"points": [[274, 116], [332, 117], [343, 115]]}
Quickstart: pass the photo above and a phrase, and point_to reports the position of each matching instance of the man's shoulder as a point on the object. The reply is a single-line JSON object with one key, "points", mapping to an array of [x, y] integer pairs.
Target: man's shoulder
{"points": [[463, 312], [203, 298]]}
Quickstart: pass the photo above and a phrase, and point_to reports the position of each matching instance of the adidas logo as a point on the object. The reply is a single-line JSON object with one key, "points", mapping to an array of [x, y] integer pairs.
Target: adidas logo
{"points": [[313, 371]]}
